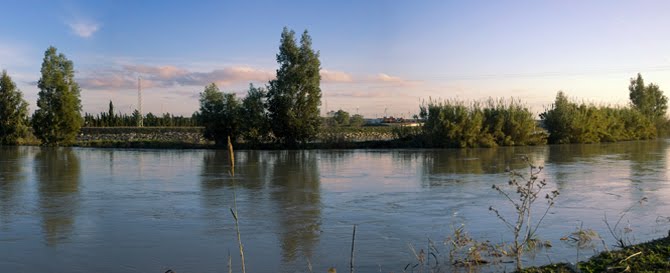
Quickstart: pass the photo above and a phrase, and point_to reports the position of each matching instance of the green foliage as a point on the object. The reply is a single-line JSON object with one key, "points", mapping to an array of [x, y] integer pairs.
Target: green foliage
{"points": [[649, 100], [137, 118], [341, 118], [255, 127], [109, 119], [510, 123], [406, 132], [57, 119], [219, 114], [569, 122], [294, 96], [455, 124], [110, 114], [13, 112], [452, 124], [356, 121], [647, 257]]}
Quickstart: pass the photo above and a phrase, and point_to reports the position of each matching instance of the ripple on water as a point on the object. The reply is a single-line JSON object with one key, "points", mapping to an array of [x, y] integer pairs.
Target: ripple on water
{"points": [[165, 209]]}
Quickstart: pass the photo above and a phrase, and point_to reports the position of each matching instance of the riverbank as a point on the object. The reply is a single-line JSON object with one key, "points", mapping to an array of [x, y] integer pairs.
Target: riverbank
{"points": [[191, 138], [652, 256], [366, 137], [168, 144]]}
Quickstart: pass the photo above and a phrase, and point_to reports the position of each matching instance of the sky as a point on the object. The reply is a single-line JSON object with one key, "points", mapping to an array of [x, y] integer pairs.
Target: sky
{"points": [[377, 57]]}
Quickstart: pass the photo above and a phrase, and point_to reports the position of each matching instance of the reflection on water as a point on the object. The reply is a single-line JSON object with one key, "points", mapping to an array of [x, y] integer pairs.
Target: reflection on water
{"points": [[295, 179], [446, 167], [637, 161], [291, 177], [69, 210], [57, 171], [11, 179]]}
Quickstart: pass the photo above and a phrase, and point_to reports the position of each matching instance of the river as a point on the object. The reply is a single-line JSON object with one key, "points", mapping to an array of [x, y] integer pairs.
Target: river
{"points": [[111, 210]]}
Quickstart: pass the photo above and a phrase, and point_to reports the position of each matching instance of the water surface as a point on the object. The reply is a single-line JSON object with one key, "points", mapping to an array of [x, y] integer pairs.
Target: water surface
{"points": [[107, 210]]}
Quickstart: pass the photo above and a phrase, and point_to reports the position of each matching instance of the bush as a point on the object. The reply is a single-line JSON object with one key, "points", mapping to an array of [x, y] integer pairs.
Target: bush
{"points": [[454, 124], [569, 122]]}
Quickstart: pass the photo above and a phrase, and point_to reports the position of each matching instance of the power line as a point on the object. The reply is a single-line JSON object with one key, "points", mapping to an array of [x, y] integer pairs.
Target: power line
{"points": [[548, 74]]}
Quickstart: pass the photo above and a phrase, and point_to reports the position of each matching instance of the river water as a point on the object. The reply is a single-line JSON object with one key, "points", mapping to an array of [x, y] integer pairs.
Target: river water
{"points": [[109, 210]]}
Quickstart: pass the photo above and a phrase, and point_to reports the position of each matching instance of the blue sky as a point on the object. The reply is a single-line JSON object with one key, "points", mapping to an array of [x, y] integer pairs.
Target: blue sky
{"points": [[376, 56]]}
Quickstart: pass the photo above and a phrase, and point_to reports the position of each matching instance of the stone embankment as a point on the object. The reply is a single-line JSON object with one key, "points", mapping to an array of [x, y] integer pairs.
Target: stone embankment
{"points": [[193, 135], [128, 134], [359, 136]]}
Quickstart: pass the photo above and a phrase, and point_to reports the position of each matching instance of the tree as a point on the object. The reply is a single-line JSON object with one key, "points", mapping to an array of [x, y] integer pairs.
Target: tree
{"points": [[135, 118], [220, 114], [57, 119], [341, 117], [13, 111], [255, 126], [649, 100], [356, 121], [110, 115], [294, 96], [560, 120]]}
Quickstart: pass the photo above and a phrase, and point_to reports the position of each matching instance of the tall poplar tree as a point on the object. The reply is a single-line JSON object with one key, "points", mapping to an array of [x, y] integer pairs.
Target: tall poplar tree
{"points": [[13, 111], [294, 96], [649, 100], [57, 119]]}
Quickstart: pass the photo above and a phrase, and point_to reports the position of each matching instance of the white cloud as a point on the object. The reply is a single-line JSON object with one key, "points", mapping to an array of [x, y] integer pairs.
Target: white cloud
{"points": [[388, 80], [177, 87], [226, 76], [125, 77], [382, 77], [330, 76], [84, 29]]}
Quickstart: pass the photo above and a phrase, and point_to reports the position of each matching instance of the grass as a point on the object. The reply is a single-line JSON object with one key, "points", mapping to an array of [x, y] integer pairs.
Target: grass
{"points": [[652, 256]]}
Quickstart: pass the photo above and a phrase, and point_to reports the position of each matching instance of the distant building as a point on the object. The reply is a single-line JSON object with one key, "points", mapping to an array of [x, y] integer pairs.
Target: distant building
{"points": [[373, 121]]}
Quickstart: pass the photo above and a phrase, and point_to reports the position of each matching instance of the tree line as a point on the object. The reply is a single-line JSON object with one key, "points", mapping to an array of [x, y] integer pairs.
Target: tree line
{"points": [[645, 117], [500, 123], [451, 123], [286, 111], [112, 119], [57, 119]]}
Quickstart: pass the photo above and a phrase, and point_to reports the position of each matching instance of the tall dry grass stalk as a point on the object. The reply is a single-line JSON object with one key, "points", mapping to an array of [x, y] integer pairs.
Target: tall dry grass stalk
{"points": [[230, 263], [353, 245], [231, 157], [234, 209]]}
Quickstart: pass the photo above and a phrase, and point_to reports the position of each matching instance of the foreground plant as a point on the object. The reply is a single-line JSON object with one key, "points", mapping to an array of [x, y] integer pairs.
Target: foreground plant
{"points": [[651, 256], [527, 190], [622, 236]]}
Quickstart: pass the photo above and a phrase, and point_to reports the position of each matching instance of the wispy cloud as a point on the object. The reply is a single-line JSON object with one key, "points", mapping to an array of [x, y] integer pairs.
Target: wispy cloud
{"points": [[84, 29], [226, 76], [330, 76], [385, 78], [360, 94], [125, 77]]}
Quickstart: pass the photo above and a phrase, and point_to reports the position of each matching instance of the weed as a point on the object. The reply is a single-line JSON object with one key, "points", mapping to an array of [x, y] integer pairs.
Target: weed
{"points": [[527, 190], [623, 236]]}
